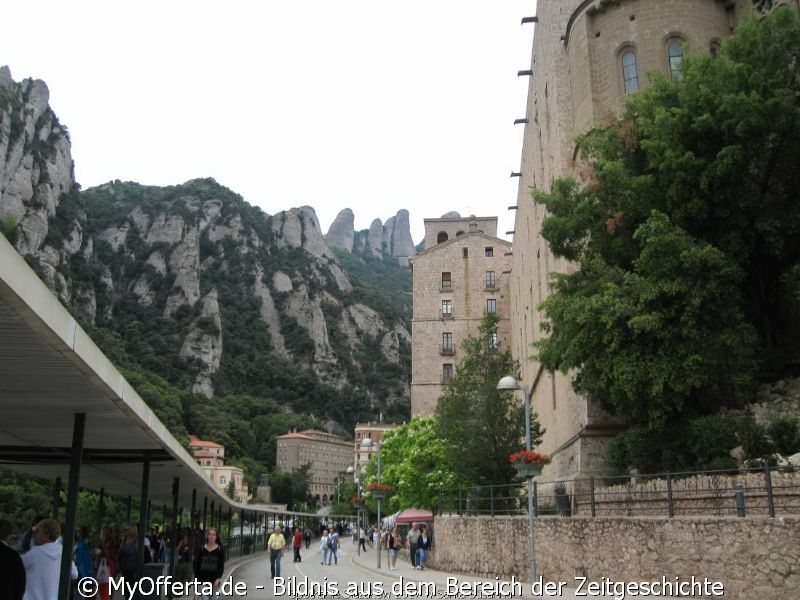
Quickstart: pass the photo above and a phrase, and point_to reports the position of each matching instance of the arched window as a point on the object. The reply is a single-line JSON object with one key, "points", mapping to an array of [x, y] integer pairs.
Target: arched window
{"points": [[222, 480], [675, 55], [630, 73], [442, 237]]}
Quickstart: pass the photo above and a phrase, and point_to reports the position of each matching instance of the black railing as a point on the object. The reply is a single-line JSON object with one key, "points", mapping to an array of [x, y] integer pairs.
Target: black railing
{"points": [[745, 492]]}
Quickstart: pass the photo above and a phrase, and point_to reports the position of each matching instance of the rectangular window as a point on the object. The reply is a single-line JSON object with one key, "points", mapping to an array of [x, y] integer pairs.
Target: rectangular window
{"points": [[447, 372], [465, 252], [488, 251], [447, 342], [491, 305], [447, 282], [447, 308], [491, 279], [493, 341]]}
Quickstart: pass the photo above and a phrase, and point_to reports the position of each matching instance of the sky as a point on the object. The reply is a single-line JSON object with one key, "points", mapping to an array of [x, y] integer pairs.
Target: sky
{"points": [[372, 105]]}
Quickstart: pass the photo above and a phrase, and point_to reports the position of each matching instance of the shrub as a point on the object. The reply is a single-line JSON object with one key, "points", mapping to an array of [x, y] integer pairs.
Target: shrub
{"points": [[784, 432], [753, 438]]}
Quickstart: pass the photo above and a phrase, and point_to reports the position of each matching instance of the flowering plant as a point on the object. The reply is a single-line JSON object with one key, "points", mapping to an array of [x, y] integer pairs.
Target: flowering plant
{"points": [[378, 487], [357, 500], [528, 456]]}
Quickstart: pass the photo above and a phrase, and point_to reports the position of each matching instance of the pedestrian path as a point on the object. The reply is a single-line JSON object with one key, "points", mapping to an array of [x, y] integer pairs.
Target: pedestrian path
{"points": [[460, 586]]}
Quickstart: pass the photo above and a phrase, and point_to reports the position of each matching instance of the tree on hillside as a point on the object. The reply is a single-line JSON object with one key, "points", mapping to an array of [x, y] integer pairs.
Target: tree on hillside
{"points": [[685, 231], [481, 426], [413, 463]]}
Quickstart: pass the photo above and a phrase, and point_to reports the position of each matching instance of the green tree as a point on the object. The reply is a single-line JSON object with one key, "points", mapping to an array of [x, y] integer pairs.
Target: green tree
{"points": [[479, 425], [413, 462], [686, 235], [290, 489]]}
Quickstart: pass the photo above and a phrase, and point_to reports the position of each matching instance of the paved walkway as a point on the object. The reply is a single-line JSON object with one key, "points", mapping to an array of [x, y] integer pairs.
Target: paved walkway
{"points": [[462, 585]]}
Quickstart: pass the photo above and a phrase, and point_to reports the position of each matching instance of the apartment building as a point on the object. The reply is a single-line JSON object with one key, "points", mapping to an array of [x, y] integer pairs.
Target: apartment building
{"points": [[461, 275], [327, 454], [211, 456]]}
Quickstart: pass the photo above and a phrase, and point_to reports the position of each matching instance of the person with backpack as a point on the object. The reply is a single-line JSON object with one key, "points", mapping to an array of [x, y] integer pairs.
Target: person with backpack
{"points": [[333, 547]]}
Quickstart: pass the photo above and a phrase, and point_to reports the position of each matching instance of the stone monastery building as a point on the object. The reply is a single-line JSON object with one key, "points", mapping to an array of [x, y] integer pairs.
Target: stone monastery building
{"points": [[587, 56]]}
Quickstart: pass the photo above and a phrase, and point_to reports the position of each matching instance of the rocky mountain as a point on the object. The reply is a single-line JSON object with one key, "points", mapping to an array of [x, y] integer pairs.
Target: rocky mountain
{"points": [[202, 298], [393, 238]]}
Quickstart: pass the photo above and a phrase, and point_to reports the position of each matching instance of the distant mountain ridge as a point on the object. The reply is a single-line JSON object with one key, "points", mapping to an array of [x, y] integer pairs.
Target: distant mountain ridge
{"points": [[203, 296]]}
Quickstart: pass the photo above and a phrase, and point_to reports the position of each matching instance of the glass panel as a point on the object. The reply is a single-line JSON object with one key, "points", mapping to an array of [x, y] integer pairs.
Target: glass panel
{"points": [[629, 72], [675, 51]]}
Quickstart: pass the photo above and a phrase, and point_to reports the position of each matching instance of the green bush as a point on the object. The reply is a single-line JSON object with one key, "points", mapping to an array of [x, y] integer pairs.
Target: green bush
{"points": [[753, 438], [711, 439], [10, 229], [784, 432]]}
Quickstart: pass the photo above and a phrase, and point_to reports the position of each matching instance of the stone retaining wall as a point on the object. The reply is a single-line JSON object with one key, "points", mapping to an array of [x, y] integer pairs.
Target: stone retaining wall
{"points": [[753, 557]]}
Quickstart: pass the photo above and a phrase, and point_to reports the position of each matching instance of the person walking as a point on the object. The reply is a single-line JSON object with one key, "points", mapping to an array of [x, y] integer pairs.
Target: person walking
{"points": [[297, 543], [275, 544], [333, 547], [413, 538], [209, 563], [128, 562], [394, 546], [323, 546], [423, 547], [362, 537]]}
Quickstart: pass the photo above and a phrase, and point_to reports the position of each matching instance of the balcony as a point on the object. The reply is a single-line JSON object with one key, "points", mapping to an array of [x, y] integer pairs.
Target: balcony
{"points": [[447, 350], [447, 379], [446, 287], [445, 315], [490, 287]]}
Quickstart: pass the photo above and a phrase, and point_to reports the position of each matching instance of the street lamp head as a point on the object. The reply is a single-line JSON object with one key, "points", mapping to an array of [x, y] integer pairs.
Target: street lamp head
{"points": [[350, 470], [508, 383]]}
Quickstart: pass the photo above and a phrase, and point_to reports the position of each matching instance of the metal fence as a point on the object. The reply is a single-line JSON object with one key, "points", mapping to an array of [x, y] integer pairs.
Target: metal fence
{"points": [[745, 492]]}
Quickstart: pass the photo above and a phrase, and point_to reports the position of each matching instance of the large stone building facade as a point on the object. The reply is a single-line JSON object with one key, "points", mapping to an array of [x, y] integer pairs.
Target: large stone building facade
{"points": [[462, 274], [588, 55], [328, 456]]}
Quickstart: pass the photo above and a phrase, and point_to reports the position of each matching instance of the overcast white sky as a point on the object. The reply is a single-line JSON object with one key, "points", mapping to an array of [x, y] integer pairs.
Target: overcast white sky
{"points": [[370, 105]]}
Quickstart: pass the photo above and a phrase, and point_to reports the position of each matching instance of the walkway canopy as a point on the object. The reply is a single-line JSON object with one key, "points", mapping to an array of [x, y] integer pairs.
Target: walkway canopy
{"points": [[68, 415], [413, 515]]}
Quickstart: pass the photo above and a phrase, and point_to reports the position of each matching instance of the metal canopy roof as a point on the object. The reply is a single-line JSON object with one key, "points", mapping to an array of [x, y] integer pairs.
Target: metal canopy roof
{"points": [[50, 370]]}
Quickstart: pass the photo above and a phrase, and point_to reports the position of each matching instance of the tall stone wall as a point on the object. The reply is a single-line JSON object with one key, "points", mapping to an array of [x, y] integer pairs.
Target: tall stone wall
{"points": [[752, 557]]}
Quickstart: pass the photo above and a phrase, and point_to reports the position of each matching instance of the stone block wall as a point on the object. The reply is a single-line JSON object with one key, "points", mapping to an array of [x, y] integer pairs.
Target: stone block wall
{"points": [[753, 557]]}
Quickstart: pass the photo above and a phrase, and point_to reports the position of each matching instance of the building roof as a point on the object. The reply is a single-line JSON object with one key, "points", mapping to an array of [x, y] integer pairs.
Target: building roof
{"points": [[458, 238], [196, 442]]}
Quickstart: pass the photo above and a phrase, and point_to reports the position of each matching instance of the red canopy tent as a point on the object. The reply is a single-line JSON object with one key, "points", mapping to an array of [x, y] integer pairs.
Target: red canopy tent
{"points": [[414, 515]]}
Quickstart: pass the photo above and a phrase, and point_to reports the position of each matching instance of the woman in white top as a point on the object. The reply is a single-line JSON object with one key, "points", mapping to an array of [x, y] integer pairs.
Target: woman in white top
{"points": [[323, 546]]}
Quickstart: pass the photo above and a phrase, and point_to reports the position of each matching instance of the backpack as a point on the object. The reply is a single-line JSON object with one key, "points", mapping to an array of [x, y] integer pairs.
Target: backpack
{"points": [[333, 539]]}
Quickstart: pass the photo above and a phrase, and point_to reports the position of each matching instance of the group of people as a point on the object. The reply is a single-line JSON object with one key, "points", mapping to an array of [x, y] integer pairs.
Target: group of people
{"points": [[32, 569]]}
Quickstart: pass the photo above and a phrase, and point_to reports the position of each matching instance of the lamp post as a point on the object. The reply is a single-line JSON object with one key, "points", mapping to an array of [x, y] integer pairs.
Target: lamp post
{"points": [[367, 444], [358, 514], [509, 383], [379, 507]]}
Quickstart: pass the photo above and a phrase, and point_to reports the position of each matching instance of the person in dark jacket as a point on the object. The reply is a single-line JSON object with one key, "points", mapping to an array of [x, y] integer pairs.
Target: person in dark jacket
{"points": [[209, 562], [12, 571]]}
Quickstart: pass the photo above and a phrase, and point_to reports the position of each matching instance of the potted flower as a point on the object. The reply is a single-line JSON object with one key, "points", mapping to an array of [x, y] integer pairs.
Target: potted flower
{"points": [[358, 502], [378, 490], [528, 463]]}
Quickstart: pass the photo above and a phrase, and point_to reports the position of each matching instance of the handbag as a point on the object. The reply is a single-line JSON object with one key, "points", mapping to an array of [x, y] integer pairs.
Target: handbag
{"points": [[102, 571]]}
